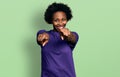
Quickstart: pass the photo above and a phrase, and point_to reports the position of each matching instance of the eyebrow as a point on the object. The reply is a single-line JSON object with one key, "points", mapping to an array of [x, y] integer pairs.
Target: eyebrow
{"points": [[62, 18]]}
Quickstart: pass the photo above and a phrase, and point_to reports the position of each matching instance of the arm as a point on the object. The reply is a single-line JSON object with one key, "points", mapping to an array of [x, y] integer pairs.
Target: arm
{"points": [[69, 36], [43, 38]]}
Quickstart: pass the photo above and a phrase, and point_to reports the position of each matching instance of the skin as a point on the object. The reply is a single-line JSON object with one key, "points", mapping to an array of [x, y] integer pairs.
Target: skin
{"points": [[59, 22]]}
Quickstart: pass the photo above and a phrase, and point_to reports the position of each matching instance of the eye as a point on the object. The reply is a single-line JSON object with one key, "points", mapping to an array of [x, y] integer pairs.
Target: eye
{"points": [[64, 19], [56, 20]]}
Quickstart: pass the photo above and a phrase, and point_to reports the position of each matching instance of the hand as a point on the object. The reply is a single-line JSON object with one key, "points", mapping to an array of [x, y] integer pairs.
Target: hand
{"points": [[64, 32], [43, 38]]}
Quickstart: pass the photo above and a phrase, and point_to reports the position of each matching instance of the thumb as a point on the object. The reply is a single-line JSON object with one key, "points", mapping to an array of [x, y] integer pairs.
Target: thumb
{"points": [[46, 41], [61, 34], [62, 37]]}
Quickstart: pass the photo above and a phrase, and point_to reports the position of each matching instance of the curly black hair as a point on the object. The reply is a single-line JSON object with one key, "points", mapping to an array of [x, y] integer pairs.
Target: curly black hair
{"points": [[54, 7]]}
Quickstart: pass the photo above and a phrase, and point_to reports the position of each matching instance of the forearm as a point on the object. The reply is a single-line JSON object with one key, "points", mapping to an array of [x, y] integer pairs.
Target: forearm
{"points": [[71, 38]]}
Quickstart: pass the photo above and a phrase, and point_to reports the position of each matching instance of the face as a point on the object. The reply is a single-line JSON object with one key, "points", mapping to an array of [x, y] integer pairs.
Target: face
{"points": [[59, 20]]}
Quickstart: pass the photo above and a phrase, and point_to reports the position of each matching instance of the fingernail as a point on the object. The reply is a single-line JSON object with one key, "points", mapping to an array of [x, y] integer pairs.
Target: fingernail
{"points": [[62, 38], [43, 44]]}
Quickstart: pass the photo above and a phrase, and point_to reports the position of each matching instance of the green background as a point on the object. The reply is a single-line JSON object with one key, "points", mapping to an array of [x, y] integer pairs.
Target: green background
{"points": [[97, 22]]}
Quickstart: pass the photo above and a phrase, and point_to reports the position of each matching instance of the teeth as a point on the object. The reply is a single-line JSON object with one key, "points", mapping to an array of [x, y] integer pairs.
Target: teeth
{"points": [[60, 27]]}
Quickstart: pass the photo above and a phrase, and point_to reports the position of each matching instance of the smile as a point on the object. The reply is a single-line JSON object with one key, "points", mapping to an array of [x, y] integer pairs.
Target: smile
{"points": [[59, 27]]}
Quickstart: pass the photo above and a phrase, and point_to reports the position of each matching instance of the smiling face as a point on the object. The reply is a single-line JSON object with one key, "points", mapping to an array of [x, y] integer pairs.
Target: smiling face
{"points": [[59, 20]]}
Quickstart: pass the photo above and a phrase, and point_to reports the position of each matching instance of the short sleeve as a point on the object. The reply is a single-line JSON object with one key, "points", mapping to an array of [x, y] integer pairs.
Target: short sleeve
{"points": [[39, 32], [76, 40]]}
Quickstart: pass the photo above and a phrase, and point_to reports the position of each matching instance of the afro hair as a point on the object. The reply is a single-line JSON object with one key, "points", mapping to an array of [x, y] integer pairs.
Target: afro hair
{"points": [[54, 7]]}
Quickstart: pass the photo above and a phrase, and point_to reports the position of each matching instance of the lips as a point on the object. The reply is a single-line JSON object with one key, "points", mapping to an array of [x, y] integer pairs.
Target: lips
{"points": [[59, 27]]}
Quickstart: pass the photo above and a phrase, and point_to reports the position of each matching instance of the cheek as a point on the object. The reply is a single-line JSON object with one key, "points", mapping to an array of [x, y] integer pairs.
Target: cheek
{"points": [[65, 22], [54, 23]]}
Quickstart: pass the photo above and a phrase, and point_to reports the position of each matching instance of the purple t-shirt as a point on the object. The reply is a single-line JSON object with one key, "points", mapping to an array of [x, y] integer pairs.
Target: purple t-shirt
{"points": [[56, 55]]}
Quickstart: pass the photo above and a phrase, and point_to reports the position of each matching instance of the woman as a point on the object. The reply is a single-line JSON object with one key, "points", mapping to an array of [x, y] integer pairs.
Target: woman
{"points": [[57, 44]]}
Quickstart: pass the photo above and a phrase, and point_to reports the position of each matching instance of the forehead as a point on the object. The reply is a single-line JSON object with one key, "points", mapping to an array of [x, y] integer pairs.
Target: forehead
{"points": [[59, 14]]}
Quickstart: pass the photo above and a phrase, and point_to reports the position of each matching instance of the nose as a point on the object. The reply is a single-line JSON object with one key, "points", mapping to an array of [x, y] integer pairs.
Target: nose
{"points": [[60, 22]]}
